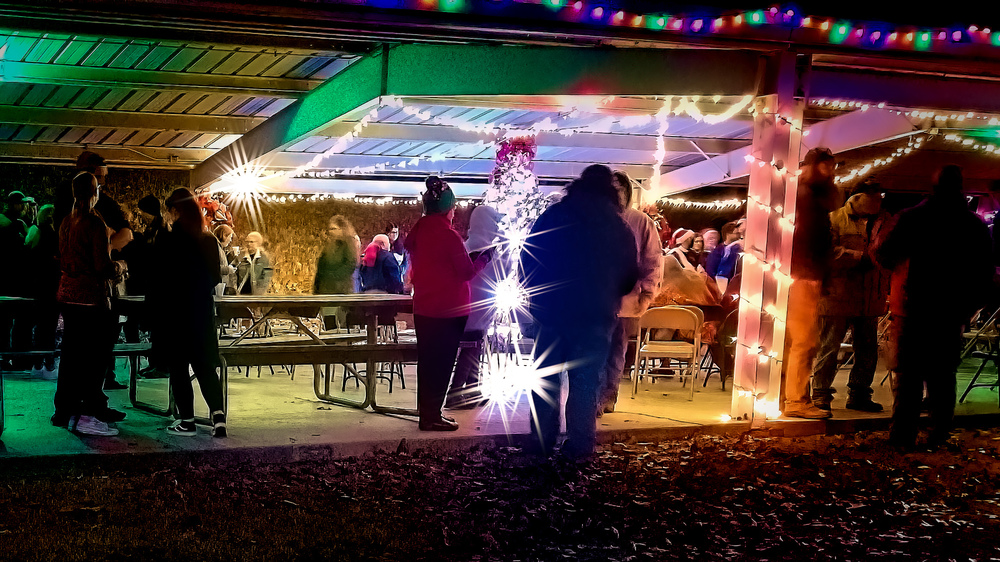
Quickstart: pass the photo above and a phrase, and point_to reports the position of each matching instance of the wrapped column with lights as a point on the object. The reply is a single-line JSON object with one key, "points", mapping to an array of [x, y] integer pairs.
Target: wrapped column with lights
{"points": [[768, 245]]}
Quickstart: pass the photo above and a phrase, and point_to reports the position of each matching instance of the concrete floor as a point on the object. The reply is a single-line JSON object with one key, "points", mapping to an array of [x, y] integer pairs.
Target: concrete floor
{"points": [[278, 411]]}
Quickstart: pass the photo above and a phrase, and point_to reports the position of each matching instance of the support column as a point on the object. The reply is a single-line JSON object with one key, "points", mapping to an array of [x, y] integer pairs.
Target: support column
{"points": [[775, 155]]}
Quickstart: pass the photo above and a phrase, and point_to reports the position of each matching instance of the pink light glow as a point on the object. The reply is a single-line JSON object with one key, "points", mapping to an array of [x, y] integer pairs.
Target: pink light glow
{"points": [[677, 24], [697, 25], [597, 13]]}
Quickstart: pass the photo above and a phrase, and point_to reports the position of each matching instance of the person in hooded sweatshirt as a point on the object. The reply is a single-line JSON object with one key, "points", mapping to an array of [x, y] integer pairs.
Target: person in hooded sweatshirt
{"points": [[440, 273]]}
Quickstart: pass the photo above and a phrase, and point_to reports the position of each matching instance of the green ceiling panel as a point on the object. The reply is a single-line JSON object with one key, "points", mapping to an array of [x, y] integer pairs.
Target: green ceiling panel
{"points": [[182, 59], [130, 56], [155, 58], [104, 52], [90, 97], [62, 96], [74, 52], [208, 61], [37, 94], [18, 47], [44, 51]]}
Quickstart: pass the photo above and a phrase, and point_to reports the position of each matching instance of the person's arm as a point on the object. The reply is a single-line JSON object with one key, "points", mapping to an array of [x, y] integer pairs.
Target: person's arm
{"points": [[841, 257], [266, 272], [121, 238], [394, 279], [101, 249], [31, 240], [650, 262]]}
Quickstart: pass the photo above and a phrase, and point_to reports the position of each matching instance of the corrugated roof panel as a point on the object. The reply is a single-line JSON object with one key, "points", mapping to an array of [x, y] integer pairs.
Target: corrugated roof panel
{"points": [[424, 149], [27, 133], [323, 145], [50, 134], [252, 106], [223, 141], [203, 140], [308, 67], [18, 47], [286, 63], [182, 139], [207, 61], [181, 59], [304, 145], [140, 137], [231, 105], [184, 103], [335, 66], [44, 50], [96, 136], [156, 57], [74, 52], [366, 146], [160, 138], [160, 101], [37, 94], [103, 53], [74, 134], [259, 64], [234, 62], [118, 136], [208, 103], [10, 92], [130, 56], [393, 148], [7, 130], [62, 96], [275, 106], [111, 98], [136, 100]]}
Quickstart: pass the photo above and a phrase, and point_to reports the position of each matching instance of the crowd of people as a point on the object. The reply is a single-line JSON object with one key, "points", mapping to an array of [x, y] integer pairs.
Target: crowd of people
{"points": [[591, 246]]}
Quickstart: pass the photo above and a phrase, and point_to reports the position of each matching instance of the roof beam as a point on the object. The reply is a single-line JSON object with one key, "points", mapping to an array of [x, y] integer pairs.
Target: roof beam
{"points": [[61, 117], [846, 132], [916, 90], [141, 157], [458, 70], [90, 76], [623, 141]]}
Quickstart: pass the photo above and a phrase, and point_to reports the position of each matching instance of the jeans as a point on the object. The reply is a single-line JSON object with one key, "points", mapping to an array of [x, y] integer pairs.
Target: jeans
{"points": [[621, 354], [80, 387], [582, 352], [833, 329], [465, 383], [437, 346], [803, 339]]}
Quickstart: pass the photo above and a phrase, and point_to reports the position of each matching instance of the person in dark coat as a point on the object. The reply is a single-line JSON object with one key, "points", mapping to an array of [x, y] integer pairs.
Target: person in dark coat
{"points": [[42, 246], [338, 261], [441, 271], [580, 261], [180, 297], [930, 304], [379, 269]]}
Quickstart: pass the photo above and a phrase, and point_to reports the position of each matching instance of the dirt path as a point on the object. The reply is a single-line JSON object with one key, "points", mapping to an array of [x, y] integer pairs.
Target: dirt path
{"points": [[822, 498]]}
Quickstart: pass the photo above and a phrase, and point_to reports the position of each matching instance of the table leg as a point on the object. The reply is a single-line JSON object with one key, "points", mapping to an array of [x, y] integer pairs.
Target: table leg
{"points": [[321, 380], [372, 379], [263, 318]]}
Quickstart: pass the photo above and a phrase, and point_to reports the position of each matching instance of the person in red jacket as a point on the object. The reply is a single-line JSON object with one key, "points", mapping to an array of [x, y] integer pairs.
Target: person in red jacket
{"points": [[440, 273]]}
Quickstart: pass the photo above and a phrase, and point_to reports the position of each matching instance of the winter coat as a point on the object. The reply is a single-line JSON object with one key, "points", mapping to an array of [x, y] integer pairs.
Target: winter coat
{"points": [[254, 271], [856, 286], [647, 245], [335, 268], [440, 270], [484, 234], [811, 237], [933, 278], [581, 262], [383, 275]]}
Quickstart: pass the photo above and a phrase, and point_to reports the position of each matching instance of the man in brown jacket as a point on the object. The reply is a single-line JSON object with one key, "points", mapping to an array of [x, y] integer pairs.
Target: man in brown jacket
{"points": [[854, 297]]}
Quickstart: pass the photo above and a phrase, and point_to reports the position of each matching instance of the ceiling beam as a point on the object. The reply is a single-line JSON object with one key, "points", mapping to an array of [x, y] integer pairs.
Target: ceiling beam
{"points": [[916, 90], [846, 132], [89, 76], [61, 117], [447, 134], [144, 157], [460, 70]]}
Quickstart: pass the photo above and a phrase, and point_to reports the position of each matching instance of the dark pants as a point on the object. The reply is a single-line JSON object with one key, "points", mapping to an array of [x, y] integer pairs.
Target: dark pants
{"points": [[80, 388], [832, 332], [183, 391], [621, 355], [581, 351], [929, 351], [465, 383], [437, 345], [46, 318]]}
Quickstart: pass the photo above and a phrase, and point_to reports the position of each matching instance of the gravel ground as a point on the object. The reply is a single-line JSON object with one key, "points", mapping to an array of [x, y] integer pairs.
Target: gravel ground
{"points": [[707, 498]]}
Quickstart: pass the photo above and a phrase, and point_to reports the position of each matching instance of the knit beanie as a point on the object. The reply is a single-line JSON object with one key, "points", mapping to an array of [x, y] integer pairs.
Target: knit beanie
{"points": [[438, 198]]}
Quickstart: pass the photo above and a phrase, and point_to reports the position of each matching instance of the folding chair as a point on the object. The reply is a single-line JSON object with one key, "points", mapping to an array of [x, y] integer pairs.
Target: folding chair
{"points": [[668, 318], [723, 351], [983, 344]]}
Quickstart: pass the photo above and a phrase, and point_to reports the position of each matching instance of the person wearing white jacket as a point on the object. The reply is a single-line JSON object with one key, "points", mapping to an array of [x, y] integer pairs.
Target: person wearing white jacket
{"points": [[634, 304]]}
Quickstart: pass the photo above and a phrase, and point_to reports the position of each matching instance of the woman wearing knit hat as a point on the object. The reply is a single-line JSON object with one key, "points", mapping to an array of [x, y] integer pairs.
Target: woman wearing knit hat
{"points": [[441, 270], [680, 246]]}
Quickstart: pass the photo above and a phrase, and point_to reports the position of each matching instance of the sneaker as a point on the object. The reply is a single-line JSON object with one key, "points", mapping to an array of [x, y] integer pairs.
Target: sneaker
{"points": [[806, 411], [218, 424], [49, 374], [36, 372], [110, 415], [89, 425], [864, 405], [182, 427]]}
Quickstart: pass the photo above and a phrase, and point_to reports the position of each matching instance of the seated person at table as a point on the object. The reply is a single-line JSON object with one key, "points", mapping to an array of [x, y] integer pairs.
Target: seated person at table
{"points": [[379, 269], [254, 269]]}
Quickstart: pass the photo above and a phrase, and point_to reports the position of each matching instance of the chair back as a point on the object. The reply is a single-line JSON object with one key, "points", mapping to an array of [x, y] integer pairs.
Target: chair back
{"points": [[671, 318]]}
